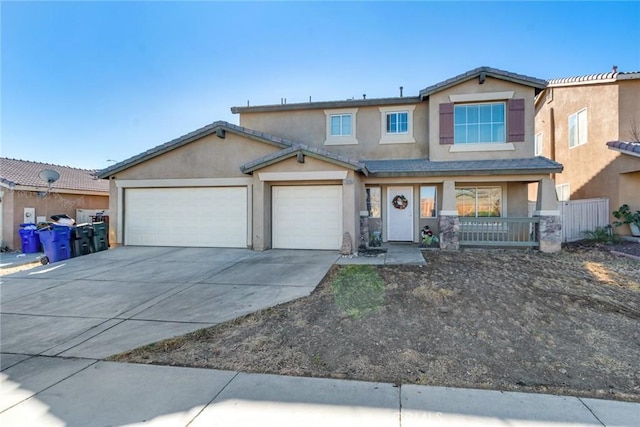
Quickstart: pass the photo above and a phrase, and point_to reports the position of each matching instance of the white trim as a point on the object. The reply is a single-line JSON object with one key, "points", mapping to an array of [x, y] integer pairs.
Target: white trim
{"points": [[537, 151], [302, 176], [546, 213], [449, 213], [491, 146], [188, 182], [120, 218], [340, 139], [577, 116], [485, 96], [397, 138]]}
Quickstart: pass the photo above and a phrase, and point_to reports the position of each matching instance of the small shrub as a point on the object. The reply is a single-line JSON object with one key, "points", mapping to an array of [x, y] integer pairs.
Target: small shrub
{"points": [[358, 290], [601, 235]]}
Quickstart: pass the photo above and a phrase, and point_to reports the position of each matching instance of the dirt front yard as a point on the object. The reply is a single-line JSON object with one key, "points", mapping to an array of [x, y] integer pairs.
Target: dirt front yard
{"points": [[567, 323]]}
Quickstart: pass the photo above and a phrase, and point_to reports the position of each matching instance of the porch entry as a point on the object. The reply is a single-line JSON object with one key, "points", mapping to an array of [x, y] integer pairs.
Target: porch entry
{"points": [[400, 214]]}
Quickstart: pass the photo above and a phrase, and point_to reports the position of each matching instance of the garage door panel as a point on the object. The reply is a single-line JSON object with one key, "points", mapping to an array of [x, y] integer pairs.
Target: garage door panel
{"points": [[307, 217], [199, 217]]}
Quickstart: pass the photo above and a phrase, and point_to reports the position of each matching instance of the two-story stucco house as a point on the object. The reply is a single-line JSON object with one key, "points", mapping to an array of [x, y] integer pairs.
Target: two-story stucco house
{"points": [[303, 175], [591, 124]]}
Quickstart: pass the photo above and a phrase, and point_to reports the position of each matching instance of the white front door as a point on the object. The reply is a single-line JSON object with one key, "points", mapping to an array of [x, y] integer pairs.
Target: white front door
{"points": [[400, 214]]}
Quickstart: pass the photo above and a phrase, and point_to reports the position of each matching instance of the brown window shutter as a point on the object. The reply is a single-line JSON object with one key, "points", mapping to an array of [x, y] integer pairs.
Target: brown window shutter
{"points": [[446, 123], [515, 119]]}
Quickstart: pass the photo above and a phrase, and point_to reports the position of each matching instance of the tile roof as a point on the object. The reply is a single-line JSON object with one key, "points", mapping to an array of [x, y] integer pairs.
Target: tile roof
{"points": [[631, 148], [305, 149], [192, 136], [594, 78], [488, 71], [425, 167], [15, 172]]}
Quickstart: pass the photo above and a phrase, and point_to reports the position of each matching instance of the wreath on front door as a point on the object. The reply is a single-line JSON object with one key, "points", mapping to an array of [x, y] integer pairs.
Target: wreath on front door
{"points": [[400, 202]]}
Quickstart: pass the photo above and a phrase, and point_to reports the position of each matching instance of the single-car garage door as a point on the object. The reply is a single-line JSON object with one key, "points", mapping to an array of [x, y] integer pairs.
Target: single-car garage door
{"points": [[307, 217], [198, 216]]}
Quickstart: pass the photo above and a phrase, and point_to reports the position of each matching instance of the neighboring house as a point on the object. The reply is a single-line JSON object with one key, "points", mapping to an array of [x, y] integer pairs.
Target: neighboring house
{"points": [[589, 123], [26, 198], [303, 175]]}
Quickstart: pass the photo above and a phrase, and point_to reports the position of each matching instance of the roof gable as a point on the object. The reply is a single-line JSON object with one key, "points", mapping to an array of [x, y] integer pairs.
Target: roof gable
{"points": [[484, 72], [219, 128], [14, 172], [290, 152]]}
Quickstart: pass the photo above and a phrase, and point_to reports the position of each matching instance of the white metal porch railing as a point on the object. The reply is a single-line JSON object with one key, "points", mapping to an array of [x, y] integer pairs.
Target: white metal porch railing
{"points": [[508, 231]]}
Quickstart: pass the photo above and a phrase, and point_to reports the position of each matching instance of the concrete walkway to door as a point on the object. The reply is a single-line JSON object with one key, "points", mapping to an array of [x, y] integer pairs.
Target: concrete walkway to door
{"points": [[396, 254]]}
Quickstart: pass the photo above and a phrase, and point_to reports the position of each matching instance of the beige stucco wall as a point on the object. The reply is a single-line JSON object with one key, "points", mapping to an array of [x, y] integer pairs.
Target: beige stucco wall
{"points": [[14, 202], [523, 149], [309, 127], [592, 170], [208, 157], [629, 109]]}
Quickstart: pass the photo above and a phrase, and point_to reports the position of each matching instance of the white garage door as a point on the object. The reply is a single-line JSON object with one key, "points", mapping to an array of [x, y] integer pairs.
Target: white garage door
{"points": [[307, 217], [200, 216]]}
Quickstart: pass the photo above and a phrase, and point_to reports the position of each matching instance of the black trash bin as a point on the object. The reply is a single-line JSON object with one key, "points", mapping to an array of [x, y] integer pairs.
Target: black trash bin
{"points": [[81, 240], [99, 240]]}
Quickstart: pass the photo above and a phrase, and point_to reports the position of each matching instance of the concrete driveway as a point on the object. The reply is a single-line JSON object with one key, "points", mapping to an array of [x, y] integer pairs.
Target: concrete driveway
{"points": [[108, 302]]}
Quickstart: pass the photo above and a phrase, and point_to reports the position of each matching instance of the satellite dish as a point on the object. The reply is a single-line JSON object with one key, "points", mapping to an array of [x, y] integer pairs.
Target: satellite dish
{"points": [[49, 175]]}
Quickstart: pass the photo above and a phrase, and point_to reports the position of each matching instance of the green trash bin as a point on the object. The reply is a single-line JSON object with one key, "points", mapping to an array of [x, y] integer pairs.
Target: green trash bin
{"points": [[99, 240]]}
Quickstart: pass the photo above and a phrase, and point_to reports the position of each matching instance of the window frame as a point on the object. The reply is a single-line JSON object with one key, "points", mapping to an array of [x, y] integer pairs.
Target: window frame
{"points": [[398, 122], [369, 202], [341, 116], [457, 105], [435, 201], [560, 196], [538, 144], [580, 140], [350, 139], [397, 137], [502, 201]]}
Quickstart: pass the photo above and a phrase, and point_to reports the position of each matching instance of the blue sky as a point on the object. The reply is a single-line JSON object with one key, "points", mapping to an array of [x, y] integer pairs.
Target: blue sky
{"points": [[86, 82]]}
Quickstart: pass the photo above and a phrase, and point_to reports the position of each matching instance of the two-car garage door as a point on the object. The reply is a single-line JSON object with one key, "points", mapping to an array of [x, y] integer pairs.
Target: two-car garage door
{"points": [[195, 216], [307, 217]]}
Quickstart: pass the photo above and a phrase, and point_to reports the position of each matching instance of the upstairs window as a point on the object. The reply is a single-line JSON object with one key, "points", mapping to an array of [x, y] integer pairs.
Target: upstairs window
{"points": [[475, 122], [398, 122], [479, 123], [539, 144], [578, 128], [341, 125]]}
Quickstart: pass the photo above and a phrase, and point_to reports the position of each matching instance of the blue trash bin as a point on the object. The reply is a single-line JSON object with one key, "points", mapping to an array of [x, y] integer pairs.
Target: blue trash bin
{"points": [[29, 238], [56, 243]]}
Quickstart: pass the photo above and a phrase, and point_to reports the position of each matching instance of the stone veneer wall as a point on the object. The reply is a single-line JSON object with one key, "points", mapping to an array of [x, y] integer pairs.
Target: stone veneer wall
{"points": [[449, 233]]}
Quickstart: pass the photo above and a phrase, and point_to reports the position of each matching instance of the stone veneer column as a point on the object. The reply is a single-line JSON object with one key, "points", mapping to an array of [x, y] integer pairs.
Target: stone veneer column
{"points": [[550, 226], [449, 219]]}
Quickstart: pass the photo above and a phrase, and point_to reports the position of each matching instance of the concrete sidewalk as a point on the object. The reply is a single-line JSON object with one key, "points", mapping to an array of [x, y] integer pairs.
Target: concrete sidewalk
{"points": [[46, 391]]}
